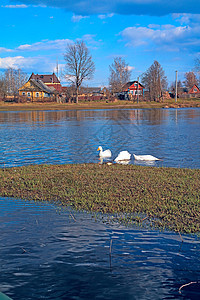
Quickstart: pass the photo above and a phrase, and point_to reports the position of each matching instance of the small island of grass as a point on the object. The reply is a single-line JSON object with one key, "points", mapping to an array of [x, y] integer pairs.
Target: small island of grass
{"points": [[165, 198]]}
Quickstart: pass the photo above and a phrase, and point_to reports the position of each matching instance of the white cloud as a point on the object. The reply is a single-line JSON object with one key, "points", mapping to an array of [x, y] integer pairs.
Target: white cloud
{"points": [[45, 45], [168, 37], [105, 16], [78, 18], [57, 45], [16, 62], [130, 68], [191, 19], [30, 64], [2, 49], [15, 6], [91, 42]]}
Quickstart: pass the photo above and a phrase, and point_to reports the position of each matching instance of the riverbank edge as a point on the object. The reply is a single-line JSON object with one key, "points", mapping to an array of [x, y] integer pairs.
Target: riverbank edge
{"points": [[181, 103], [163, 198]]}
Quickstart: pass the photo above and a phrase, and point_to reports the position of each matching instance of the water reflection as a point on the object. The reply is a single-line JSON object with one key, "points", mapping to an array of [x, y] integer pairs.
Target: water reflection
{"points": [[67, 257], [73, 136], [152, 116]]}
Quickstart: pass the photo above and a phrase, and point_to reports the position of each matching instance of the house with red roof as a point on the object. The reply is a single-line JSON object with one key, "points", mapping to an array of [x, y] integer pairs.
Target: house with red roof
{"points": [[194, 90], [132, 90]]}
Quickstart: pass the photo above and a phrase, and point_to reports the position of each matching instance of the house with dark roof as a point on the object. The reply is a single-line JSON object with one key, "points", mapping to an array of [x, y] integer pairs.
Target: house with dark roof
{"points": [[37, 90], [90, 91], [51, 80]]}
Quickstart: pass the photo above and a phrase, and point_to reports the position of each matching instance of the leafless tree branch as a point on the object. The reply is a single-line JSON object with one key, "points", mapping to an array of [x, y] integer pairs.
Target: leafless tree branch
{"points": [[79, 64]]}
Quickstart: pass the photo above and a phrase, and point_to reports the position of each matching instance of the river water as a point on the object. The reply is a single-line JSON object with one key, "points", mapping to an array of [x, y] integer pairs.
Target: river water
{"points": [[47, 253], [50, 253], [60, 137]]}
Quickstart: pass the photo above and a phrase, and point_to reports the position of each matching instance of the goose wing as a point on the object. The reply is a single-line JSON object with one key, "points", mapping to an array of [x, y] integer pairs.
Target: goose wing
{"points": [[123, 155], [145, 157]]}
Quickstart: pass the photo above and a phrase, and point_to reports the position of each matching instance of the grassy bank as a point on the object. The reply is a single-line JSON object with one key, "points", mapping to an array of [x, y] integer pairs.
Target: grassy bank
{"points": [[164, 197], [99, 105]]}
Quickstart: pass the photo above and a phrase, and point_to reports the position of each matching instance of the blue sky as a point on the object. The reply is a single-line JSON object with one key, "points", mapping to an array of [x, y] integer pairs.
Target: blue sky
{"points": [[34, 34]]}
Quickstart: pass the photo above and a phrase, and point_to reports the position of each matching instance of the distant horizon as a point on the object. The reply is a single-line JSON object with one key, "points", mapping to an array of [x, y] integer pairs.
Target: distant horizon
{"points": [[35, 34]]}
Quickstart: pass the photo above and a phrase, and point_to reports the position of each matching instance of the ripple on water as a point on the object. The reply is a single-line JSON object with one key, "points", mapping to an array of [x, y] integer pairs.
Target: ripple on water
{"points": [[60, 137], [46, 254]]}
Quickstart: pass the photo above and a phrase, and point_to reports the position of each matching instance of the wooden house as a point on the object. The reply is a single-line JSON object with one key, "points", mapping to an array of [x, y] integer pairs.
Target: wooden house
{"points": [[132, 90], [90, 91], [36, 90], [194, 90], [51, 80], [105, 91]]}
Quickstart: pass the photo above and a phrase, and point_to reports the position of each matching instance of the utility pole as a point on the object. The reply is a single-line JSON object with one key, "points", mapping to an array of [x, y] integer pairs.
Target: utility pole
{"points": [[176, 86], [138, 91], [57, 67]]}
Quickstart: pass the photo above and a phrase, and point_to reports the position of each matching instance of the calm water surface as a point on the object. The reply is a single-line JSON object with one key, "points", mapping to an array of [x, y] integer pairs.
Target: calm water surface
{"points": [[50, 254], [60, 137]]}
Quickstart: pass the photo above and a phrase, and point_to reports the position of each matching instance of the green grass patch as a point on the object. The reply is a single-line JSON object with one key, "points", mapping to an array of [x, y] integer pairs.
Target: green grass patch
{"points": [[120, 104], [166, 198]]}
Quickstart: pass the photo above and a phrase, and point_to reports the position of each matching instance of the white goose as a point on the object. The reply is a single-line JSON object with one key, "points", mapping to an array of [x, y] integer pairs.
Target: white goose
{"points": [[104, 154], [123, 156], [145, 157]]}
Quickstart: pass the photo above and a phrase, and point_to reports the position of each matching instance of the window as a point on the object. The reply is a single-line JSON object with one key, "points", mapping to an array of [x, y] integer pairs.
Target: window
{"points": [[46, 95], [138, 92], [23, 94], [37, 94], [28, 94], [195, 90]]}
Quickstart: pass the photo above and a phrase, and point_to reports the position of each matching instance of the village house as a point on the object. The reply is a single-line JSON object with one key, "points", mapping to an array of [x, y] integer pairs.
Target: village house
{"points": [[41, 87], [90, 91], [51, 80], [194, 90], [37, 90], [132, 90], [184, 92]]}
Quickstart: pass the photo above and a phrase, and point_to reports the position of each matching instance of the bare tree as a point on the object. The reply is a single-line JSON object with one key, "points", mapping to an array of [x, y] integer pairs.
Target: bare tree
{"points": [[155, 81], [119, 74], [14, 79], [2, 87], [190, 79], [79, 65]]}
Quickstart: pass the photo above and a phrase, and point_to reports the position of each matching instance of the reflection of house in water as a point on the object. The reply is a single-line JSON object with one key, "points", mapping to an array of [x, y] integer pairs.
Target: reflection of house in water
{"points": [[150, 116], [153, 116]]}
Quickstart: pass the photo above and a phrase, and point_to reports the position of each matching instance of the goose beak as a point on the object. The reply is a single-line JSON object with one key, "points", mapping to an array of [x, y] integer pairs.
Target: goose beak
{"points": [[98, 149]]}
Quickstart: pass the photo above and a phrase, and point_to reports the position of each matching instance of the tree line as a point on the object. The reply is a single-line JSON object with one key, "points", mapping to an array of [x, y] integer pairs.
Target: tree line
{"points": [[79, 66]]}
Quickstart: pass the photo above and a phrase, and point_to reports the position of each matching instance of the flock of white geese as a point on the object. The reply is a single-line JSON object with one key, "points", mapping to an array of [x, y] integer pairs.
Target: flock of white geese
{"points": [[125, 156]]}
